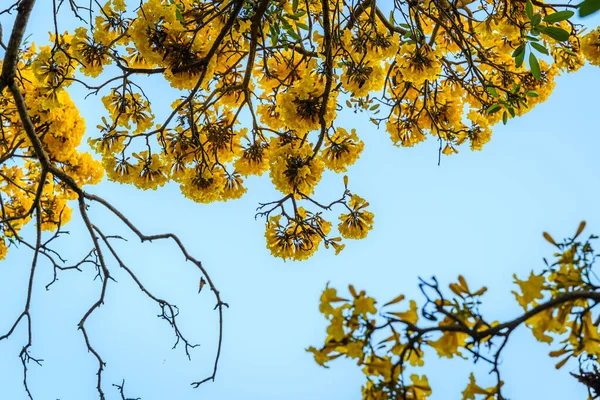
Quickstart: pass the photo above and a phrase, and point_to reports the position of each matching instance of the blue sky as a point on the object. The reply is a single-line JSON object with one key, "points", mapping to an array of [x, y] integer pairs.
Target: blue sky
{"points": [[480, 214]]}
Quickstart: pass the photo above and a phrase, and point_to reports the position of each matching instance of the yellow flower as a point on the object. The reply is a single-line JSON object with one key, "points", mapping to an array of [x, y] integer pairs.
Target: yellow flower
{"points": [[380, 366], [203, 185], [335, 330], [219, 139], [51, 68], [531, 290], [269, 116], [3, 249], [362, 78], [410, 315], [300, 105], [444, 115], [329, 296], [254, 160], [151, 172], [234, 187], [473, 389], [118, 169], [358, 223], [590, 46], [404, 127], [447, 345], [419, 64], [84, 169], [299, 238], [413, 356], [544, 322], [341, 150], [129, 108], [355, 350], [364, 305], [65, 128], [294, 169], [569, 59], [91, 54], [480, 133], [420, 388], [320, 356], [55, 211]]}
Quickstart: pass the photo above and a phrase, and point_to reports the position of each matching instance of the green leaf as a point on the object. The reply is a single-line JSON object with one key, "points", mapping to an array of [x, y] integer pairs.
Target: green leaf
{"points": [[302, 26], [537, 18], [290, 31], [179, 16], [588, 7], [492, 90], [286, 25], [529, 9], [520, 58], [511, 111], [535, 66], [504, 117], [532, 93], [539, 48], [295, 5], [519, 50], [558, 16], [555, 33], [273, 35], [493, 109], [570, 52]]}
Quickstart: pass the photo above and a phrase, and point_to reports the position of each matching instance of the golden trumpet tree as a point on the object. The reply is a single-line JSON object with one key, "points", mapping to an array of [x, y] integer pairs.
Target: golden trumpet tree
{"points": [[259, 84], [391, 347]]}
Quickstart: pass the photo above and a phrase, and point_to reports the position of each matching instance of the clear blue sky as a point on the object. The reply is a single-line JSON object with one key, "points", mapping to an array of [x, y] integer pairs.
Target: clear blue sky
{"points": [[479, 213]]}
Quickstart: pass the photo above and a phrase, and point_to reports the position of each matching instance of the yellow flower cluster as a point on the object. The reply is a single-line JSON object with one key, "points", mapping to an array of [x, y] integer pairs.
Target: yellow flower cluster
{"points": [[300, 106], [297, 239], [60, 127], [293, 169], [254, 159], [419, 64], [264, 83], [558, 304], [358, 223], [590, 46], [341, 150], [349, 334]]}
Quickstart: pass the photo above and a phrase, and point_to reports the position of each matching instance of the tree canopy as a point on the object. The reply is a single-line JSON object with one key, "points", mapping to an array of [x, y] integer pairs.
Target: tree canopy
{"points": [[258, 87]]}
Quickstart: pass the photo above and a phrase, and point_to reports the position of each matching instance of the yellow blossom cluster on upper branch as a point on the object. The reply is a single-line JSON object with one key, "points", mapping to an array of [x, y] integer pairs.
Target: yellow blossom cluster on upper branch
{"points": [[263, 82], [60, 127], [392, 347]]}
